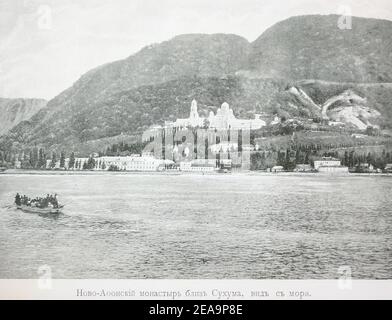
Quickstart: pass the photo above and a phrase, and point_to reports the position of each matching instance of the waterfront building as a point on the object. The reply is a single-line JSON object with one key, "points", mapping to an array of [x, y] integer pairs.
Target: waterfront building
{"points": [[333, 169], [185, 166], [388, 168], [326, 162], [127, 163], [303, 168], [224, 119], [329, 165], [277, 169], [133, 163], [199, 165]]}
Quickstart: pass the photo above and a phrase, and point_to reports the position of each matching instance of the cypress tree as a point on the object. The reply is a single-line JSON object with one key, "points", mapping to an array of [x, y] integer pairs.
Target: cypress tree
{"points": [[306, 158], [41, 159], [31, 160], [346, 161], [54, 160], [62, 159], [71, 163], [34, 158]]}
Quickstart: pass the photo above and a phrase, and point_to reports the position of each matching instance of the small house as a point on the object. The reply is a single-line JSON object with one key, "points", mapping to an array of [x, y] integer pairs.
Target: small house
{"points": [[277, 169]]}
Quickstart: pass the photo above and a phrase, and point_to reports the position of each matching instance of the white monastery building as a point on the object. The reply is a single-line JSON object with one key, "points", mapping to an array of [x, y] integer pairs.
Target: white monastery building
{"points": [[224, 119], [128, 163], [329, 165]]}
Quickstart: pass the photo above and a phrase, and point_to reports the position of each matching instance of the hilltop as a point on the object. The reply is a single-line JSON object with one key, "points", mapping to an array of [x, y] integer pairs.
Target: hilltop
{"points": [[314, 47]]}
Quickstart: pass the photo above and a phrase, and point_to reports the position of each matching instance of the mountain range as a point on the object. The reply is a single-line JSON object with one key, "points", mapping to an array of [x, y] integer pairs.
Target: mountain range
{"points": [[302, 67], [15, 111]]}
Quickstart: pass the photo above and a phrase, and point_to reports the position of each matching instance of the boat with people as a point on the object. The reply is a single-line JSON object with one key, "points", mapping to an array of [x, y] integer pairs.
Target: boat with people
{"points": [[31, 209], [43, 205]]}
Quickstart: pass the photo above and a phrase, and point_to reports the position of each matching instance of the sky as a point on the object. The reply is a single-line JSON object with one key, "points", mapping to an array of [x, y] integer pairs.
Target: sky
{"points": [[46, 45]]}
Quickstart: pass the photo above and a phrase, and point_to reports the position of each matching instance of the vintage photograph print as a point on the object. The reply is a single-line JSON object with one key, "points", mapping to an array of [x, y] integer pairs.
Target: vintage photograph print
{"points": [[195, 140]]}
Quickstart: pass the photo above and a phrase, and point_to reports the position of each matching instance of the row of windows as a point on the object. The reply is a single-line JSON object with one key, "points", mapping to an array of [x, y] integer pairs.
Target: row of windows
{"points": [[199, 169]]}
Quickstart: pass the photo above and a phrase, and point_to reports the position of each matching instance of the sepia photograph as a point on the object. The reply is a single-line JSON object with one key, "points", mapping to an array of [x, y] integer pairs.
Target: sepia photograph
{"points": [[178, 148]]}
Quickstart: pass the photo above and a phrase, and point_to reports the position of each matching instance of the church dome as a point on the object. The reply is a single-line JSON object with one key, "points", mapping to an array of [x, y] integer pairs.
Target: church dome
{"points": [[225, 107]]}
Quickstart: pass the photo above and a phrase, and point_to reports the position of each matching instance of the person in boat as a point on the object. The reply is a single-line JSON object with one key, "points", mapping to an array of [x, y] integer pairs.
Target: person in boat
{"points": [[55, 202], [24, 200], [18, 200]]}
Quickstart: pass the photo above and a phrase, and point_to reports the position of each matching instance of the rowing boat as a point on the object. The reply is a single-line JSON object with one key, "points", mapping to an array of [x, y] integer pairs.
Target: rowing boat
{"points": [[47, 210]]}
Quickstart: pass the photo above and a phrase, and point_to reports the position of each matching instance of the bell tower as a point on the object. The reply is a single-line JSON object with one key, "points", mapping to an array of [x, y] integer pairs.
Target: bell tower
{"points": [[194, 116], [194, 113]]}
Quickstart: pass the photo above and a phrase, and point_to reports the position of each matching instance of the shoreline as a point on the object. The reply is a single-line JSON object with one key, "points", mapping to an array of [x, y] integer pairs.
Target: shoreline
{"points": [[181, 173]]}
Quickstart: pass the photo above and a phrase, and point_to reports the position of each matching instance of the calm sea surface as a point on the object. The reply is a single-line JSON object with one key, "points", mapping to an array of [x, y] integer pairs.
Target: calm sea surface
{"points": [[193, 226]]}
